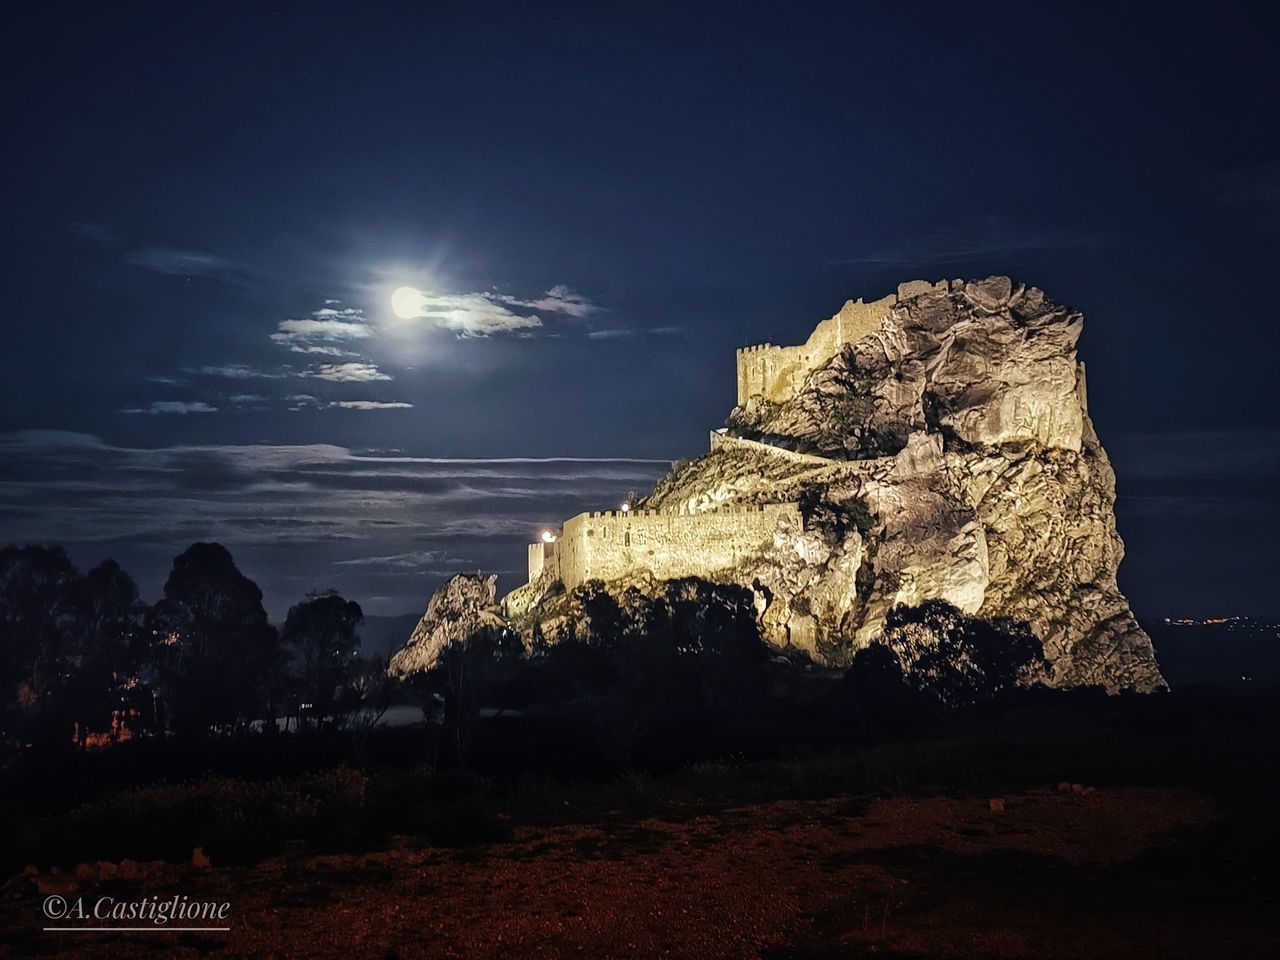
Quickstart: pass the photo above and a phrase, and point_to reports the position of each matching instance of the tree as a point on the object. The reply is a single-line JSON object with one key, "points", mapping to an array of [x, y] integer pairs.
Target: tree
{"points": [[111, 620], [39, 639], [320, 636], [216, 654], [69, 643], [467, 671], [956, 659]]}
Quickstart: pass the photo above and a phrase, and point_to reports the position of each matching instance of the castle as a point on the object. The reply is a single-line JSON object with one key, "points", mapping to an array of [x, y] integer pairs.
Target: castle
{"points": [[696, 541]]}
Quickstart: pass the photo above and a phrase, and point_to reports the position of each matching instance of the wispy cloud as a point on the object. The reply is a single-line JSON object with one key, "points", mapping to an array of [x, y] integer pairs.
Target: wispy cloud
{"points": [[438, 561], [320, 332], [949, 245], [302, 401], [474, 314], [486, 314], [618, 333], [173, 407], [610, 334], [371, 405], [559, 299], [1221, 472], [350, 372], [299, 517], [165, 260], [240, 371], [174, 262]]}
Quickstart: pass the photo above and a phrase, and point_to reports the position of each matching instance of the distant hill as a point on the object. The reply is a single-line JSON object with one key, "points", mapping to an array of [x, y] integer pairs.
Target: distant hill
{"points": [[1236, 652], [383, 636]]}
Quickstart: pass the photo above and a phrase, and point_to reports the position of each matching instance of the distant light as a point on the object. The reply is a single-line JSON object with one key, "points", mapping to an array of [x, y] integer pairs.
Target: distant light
{"points": [[407, 302], [626, 507], [548, 536]]}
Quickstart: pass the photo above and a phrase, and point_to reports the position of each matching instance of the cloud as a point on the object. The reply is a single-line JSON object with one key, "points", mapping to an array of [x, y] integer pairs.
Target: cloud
{"points": [[617, 333], [475, 314], [485, 314], [352, 372], [318, 333], [166, 261], [240, 371], [438, 561], [299, 517], [992, 239], [96, 232], [371, 405], [302, 401], [611, 334], [240, 399], [173, 407], [174, 262], [1199, 472], [559, 299]]}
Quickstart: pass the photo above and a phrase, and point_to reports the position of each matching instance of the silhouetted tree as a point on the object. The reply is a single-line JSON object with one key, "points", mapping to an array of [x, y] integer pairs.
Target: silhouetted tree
{"points": [[109, 685], [877, 699], [216, 654], [320, 636], [958, 660], [39, 639], [467, 673], [69, 644]]}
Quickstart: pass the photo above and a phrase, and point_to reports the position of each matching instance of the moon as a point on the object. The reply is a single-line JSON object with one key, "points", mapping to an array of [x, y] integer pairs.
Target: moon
{"points": [[407, 302]]}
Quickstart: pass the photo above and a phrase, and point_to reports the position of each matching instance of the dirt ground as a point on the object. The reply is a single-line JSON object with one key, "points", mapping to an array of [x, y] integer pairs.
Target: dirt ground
{"points": [[1119, 872]]}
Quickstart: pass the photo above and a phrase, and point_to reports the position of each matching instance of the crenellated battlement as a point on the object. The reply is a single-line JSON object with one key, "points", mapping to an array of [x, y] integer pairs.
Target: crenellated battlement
{"points": [[613, 544], [775, 373]]}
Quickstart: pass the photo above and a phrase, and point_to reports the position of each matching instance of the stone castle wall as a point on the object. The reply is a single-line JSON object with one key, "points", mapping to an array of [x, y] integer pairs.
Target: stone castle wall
{"points": [[777, 373], [543, 558], [726, 441], [614, 544]]}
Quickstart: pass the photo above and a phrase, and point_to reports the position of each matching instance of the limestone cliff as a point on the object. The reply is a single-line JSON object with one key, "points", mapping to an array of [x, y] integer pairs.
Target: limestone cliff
{"points": [[465, 605], [945, 453], [933, 445]]}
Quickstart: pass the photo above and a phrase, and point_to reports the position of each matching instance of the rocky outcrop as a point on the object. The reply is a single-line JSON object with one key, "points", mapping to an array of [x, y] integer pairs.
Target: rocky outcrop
{"points": [[465, 605], [961, 466], [946, 454]]}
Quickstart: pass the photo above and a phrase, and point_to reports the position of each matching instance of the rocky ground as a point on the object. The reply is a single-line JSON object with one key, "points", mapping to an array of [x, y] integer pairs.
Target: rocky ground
{"points": [[1112, 872]]}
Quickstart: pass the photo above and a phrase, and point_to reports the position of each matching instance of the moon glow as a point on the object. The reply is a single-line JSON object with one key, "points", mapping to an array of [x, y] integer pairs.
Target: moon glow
{"points": [[407, 302]]}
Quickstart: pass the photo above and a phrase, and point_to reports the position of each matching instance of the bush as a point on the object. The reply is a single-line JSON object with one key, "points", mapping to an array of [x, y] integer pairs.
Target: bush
{"points": [[939, 657]]}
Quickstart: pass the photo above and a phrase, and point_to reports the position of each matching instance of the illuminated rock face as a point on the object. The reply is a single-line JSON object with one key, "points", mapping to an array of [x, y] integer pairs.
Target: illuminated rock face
{"points": [[466, 604], [935, 444]]}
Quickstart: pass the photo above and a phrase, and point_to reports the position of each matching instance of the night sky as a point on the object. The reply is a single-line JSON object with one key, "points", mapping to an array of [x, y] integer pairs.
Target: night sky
{"points": [[206, 212]]}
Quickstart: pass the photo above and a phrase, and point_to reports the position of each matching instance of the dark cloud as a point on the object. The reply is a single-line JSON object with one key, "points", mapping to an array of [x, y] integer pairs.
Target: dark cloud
{"points": [[173, 407], [960, 244], [173, 262], [370, 525]]}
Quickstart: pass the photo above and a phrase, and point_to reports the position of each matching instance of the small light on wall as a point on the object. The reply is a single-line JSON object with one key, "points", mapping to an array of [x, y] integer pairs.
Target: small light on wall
{"points": [[548, 536]]}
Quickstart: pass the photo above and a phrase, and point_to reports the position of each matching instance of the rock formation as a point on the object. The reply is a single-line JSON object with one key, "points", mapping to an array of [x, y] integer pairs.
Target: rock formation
{"points": [[934, 445], [465, 605]]}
